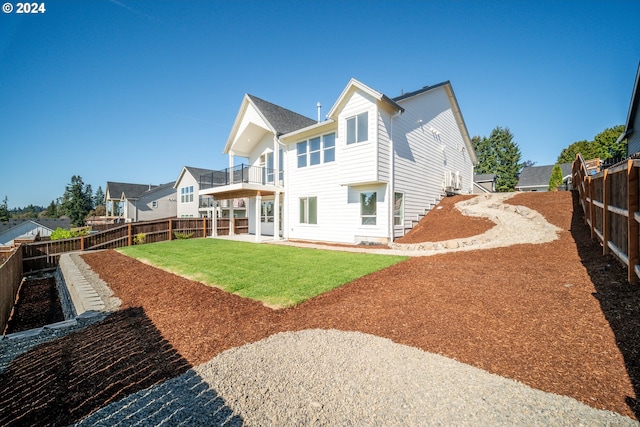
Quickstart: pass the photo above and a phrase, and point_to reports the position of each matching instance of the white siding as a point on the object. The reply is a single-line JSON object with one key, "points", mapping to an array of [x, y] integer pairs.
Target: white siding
{"points": [[359, 161], [187, 209], [428, 143]]}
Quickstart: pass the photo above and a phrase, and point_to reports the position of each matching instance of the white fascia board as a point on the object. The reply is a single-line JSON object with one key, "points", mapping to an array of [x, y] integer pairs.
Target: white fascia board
{"points": [[461, 124], [314, 128], [353, 83]]}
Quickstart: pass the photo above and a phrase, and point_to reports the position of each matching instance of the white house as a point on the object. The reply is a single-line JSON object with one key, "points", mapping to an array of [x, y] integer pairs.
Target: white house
{"points": [[364, 175], [191, 204], [30, 229]]}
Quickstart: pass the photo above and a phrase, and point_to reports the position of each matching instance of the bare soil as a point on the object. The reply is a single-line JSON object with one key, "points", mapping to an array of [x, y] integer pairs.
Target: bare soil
{"points": [[559, 317]]}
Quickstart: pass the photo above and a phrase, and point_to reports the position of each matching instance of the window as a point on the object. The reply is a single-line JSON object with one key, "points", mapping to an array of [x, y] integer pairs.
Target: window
{"points": [[398, 208], [321, 149], [267, 212], [314, 151], [302, 153], [154, 204], [309, 210], [368, 208], [329, 147], [357, 128], [186, 194]]}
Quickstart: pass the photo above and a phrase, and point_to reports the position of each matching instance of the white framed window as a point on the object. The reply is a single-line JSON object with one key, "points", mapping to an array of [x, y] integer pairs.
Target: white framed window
{"points": [[308, 210], [368, 208], [321, 149], [398, 208], [314, 151], [154, 204], [186, 194], [358, 128], [267, 212], [329, 147], [301, 148]]}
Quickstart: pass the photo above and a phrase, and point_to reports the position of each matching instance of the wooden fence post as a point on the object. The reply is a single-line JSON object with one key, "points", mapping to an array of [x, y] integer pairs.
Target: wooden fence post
{"points": [[130, 236], [170, 228], [632, 224], [606, 234], [204, 226]]}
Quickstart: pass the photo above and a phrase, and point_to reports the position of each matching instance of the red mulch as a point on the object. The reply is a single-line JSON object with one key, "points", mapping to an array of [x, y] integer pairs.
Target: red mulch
{"points": [[559, 316], [445, 222]]}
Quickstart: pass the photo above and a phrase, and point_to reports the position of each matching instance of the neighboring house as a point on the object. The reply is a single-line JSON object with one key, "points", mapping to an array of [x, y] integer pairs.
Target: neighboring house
{"points": [[30, 229], [363, 175], [536, 178], [484, 183], [632, 126], [193, 205], [140, 202]]}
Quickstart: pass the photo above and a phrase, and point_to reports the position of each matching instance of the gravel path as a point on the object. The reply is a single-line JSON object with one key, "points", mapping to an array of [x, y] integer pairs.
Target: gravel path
{"points": [[514, 225], [328, 377]]}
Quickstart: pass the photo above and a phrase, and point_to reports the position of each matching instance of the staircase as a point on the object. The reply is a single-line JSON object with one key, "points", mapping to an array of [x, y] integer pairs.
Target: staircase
{"points": [[410, 224]]}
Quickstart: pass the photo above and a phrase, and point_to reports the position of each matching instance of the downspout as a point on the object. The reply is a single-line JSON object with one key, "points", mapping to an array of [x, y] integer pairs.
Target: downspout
{"points": [[391, 181]]}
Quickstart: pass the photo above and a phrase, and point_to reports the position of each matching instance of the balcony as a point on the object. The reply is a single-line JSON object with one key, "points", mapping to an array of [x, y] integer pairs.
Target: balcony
{"points": [[240, 174]]}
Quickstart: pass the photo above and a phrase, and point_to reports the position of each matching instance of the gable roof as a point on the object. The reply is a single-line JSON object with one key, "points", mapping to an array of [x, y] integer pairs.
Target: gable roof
{"points": [[195, 172], [633, 108], [282, 120], [539, 176], [50, 223], [484, 177], [277, 120], [151, 190], [117, 190], [356, 85], [455, 107]]}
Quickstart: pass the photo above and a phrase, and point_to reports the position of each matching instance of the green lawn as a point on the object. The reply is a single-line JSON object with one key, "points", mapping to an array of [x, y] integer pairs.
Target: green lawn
{"points": [[279, 276]]}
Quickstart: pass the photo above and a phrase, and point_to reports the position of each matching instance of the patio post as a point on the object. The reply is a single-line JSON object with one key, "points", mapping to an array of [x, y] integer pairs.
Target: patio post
{"points": [[258, 215]]}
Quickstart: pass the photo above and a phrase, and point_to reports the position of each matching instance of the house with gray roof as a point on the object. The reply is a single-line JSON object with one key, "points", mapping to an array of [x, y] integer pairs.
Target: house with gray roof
{"points": [[190, 204], [30, 229], [536, 178], [484, 183], [364, 174], [127, 202]]}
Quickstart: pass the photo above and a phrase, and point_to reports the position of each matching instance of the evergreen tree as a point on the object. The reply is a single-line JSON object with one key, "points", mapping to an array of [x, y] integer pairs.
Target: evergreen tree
{"points": [[77, 201], [52, 210], [486, 154], [98, 198], [4, 210], [508, 158], [556, 178]]}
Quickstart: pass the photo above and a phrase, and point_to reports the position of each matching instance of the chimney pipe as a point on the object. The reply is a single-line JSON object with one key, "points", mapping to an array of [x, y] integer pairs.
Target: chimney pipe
{"points": [[319, 107]]}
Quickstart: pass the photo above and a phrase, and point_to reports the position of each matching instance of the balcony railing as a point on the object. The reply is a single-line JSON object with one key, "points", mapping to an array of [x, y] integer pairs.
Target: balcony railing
{"points": [[239, 174]]}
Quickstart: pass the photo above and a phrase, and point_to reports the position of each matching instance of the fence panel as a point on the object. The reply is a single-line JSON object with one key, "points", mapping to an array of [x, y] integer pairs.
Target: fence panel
{"points": [[610, 203], [10, 278]]}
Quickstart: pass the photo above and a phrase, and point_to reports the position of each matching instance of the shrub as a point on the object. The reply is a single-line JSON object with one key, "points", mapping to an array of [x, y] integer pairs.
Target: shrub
{"points": [[139, 239], [556, 178], [62, 233], [182, 236]]}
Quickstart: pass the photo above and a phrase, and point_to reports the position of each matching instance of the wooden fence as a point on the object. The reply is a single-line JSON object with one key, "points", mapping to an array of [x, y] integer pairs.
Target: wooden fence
{"points": [[10, 278], [39, 256], [609, 200]]}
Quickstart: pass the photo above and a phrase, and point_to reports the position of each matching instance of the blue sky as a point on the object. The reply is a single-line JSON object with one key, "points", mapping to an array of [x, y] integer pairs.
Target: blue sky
{"points": [[132, 91]]}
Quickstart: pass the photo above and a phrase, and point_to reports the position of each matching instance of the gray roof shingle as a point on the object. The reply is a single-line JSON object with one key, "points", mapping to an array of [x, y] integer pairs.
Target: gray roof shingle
{"points": [[282, 120], [538, 176]]}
